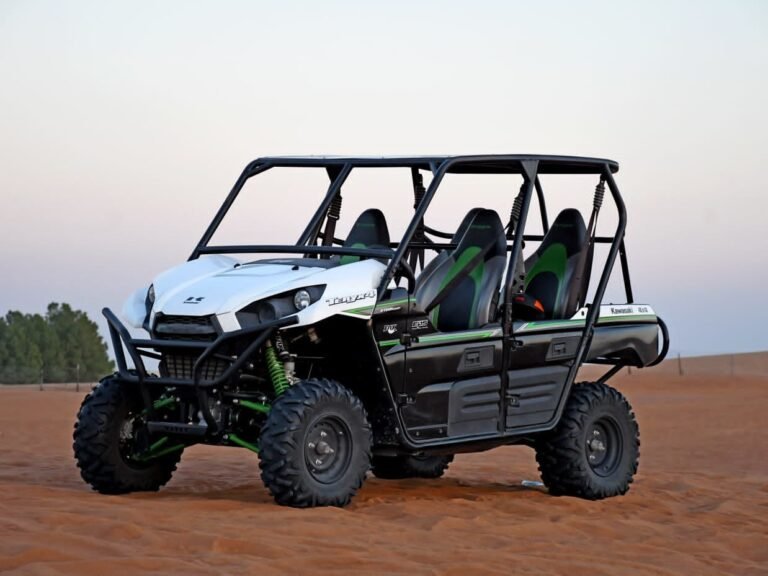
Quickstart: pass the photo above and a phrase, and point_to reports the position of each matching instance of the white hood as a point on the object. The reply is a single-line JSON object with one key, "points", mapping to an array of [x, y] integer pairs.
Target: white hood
{"points": [[222, 286]]}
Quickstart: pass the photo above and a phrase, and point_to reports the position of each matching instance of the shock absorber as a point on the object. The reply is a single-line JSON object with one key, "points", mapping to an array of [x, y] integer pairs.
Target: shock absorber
{"points": [[276, 369], [599, 193]]}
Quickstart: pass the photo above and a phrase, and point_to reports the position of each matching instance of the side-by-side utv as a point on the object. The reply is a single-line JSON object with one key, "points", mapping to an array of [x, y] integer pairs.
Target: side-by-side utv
{"points": [[333, 357]]}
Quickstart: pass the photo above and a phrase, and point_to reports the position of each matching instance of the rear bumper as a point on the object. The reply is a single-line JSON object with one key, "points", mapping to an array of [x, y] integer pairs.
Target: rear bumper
{"points": [[138, 349], [630, 344]]}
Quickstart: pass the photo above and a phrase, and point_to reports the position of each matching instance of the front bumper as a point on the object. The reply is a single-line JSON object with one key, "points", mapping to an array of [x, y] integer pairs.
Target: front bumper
{"points": [[138, 348]]}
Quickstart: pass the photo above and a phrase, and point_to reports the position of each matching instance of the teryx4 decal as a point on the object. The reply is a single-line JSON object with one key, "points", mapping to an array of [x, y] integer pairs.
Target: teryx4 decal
{"points": [[350, 299]]}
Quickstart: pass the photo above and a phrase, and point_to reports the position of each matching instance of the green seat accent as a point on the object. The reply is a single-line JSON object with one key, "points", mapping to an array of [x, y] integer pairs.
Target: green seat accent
{"points": [[476, 275], [458, 289], [554, 260], [347, 259], [555, 272]]}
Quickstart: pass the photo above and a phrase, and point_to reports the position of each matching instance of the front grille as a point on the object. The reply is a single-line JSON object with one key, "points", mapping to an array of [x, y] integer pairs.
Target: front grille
{"points": [[180, 366], [198, 328]]}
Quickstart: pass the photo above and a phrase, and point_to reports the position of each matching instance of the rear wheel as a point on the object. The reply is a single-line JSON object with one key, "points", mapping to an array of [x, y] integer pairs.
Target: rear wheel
{"points": [[593, 452], [410, 466], [315, 447], [112, 447]]}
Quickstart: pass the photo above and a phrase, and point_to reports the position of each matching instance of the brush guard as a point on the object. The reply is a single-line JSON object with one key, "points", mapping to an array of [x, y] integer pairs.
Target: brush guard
{"points": [[139, 348]]}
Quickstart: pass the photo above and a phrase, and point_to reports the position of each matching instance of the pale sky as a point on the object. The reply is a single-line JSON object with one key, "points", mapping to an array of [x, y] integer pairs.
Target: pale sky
{"points": [[124, 124]]}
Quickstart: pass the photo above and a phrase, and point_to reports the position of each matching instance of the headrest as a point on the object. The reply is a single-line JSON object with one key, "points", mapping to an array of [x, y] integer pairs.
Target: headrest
{"points": [[370, 229], [481, 227], [568, 229]]}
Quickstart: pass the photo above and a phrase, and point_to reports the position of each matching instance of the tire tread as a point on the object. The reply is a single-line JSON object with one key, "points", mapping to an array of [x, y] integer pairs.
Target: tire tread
{"points": [[560, 455], [279, 471], [99, 462]]}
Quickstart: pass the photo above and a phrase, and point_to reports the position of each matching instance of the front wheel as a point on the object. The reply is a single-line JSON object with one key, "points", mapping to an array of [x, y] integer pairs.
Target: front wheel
{"points": [[315, 447], [112, 447], [593, 452]]}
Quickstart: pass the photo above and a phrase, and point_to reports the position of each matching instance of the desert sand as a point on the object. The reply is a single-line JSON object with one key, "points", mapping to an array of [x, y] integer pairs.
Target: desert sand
{"points": [[699, 504]]}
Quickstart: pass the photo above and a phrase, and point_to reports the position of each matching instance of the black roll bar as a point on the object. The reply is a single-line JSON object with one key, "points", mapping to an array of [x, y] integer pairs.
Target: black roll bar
{"points": [[542, 205], [251, 170], [413, 226], [529, 175], [594, 307], [293, 249]]}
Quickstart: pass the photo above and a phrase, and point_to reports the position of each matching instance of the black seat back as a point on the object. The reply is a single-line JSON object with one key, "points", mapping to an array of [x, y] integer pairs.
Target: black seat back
{"points": [[369, 231], [555, 271], [466, 279]]}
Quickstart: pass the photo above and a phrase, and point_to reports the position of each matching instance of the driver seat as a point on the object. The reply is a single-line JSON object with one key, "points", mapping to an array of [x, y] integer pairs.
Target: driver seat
{"points": [[369, 231], [459, 289]]}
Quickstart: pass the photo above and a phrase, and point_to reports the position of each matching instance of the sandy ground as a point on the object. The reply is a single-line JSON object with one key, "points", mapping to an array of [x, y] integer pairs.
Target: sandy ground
{"points": [[699, 504]]}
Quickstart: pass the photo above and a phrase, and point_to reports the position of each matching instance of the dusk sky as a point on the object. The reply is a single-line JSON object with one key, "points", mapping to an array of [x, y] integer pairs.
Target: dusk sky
{"points": [[124, 124]]}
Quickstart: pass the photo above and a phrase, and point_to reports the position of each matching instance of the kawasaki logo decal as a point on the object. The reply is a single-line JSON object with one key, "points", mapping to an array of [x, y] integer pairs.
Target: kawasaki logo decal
{"points": [[623, 310]]}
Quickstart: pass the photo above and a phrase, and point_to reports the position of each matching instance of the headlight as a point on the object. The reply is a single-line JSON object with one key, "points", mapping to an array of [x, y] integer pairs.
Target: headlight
{"points": [[279, 306], [151, 294], [301, 299]]}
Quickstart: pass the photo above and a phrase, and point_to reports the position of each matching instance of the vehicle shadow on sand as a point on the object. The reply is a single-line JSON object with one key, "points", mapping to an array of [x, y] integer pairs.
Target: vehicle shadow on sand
{"points": [[375, 491]]}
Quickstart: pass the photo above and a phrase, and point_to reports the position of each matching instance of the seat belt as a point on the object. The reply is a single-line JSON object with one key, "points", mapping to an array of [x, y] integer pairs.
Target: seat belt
{"points": [[514, 214], [592, 232], [334, 213], [416, 255], [518, 282], [463, 273]]}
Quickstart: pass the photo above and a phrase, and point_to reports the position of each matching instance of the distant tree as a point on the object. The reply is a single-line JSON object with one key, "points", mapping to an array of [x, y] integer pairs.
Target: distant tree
{"points": [[61, 346], [80, 342], [21, 358], [48, 344]]}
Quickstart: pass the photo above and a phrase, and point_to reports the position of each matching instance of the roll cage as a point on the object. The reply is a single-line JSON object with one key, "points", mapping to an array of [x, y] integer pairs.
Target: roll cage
{"points": [[339, 168]]}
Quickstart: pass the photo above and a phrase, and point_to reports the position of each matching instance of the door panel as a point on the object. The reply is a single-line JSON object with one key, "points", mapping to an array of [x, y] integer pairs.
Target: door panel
{"points": [[453, 385], [426, 415], [533, 394], [431, 360], [474, 406]]}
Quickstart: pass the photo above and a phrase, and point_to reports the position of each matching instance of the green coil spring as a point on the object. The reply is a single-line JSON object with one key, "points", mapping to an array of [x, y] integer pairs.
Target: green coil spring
{"points": [[276, 370]]}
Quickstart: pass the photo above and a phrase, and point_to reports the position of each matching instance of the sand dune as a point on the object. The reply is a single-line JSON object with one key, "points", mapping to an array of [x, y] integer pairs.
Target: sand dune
{"points": [[699, 504]]}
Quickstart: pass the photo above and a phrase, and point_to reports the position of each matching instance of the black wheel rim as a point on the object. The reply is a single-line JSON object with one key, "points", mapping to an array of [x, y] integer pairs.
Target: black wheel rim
{"points": [[132, 435], [328, 449], [604, 445]]}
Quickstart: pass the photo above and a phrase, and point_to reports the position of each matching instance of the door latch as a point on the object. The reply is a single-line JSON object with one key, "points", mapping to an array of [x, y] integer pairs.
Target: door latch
{"points": [[406, 339]]}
